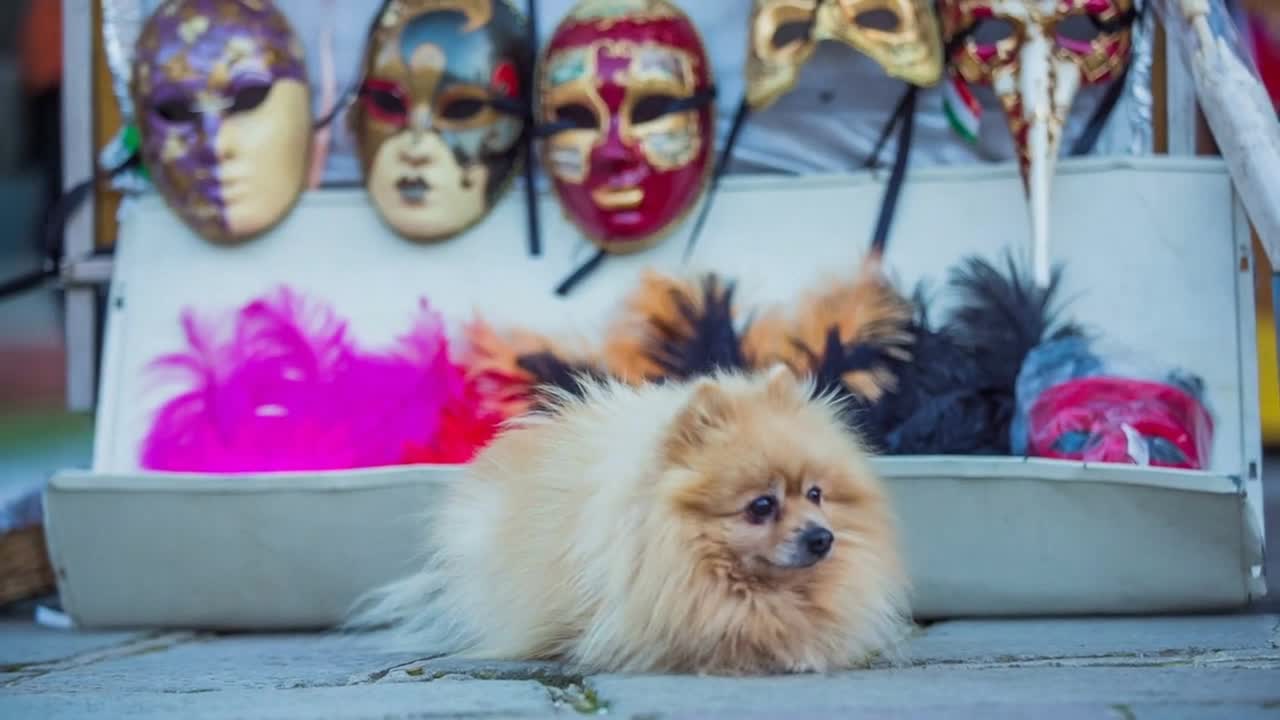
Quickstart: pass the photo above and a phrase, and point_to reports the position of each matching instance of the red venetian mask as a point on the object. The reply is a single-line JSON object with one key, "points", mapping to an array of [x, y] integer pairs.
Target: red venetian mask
{"points": [[1119, 420], [626, 106]]}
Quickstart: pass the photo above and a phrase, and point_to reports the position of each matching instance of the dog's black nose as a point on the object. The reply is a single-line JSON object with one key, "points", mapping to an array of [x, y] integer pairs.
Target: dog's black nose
{"points": [[818, 541]]}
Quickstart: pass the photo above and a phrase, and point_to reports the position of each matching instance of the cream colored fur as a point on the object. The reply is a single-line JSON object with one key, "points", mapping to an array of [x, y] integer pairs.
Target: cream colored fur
{"points": [[585, 535]]}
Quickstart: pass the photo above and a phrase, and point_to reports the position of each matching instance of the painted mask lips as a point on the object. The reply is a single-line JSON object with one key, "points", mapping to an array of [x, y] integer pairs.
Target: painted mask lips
{"points": [[413, 191], [624, 191], [607, 198], [233, 186]]}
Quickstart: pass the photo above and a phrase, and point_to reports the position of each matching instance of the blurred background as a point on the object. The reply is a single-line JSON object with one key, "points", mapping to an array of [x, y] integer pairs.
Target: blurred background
{"points": [[37, 435]]}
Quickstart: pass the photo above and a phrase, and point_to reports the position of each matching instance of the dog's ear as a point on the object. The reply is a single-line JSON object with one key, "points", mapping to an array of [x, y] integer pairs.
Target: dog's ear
{"points": [[781, 385], [709, 408]]}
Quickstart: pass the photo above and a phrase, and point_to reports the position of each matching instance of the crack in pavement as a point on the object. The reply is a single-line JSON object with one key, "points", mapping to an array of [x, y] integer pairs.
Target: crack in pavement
{"points": [[1230, 659], [564, 689], [378, 675], [155, 642]]}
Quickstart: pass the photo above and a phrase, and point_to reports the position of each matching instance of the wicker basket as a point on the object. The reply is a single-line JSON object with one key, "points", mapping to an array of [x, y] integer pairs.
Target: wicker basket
{"points": [[25, 570]]}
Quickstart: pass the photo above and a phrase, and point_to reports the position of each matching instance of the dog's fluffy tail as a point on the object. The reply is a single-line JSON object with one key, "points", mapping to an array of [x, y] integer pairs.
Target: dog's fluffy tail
{"points": [[406, 614]]}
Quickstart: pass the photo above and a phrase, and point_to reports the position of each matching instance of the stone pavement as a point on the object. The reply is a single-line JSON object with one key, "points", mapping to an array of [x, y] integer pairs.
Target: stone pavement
{"points": [[1224, 667]]}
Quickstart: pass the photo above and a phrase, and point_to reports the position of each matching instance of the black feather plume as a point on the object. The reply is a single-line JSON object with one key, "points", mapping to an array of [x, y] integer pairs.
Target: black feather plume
{"points": [[956, 394], [839, 358], [1002, 316], [704, 340], [552, 372]]}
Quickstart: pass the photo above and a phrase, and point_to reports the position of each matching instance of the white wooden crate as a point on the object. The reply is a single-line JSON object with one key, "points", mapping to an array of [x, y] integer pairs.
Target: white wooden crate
{"points": [[1157, 254]]}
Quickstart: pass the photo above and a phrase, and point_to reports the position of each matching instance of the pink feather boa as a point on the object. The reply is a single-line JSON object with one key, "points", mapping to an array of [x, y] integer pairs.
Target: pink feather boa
{"points": [[284, 387]]}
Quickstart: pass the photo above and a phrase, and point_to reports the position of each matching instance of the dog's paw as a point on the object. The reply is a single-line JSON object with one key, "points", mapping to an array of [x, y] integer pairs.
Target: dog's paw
{"points": [[805, 667]]}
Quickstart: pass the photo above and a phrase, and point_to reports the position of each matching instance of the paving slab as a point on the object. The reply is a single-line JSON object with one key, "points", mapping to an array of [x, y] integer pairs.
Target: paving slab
{"points": [[1029, 711], [488, 701], [224, 662], [25, 643], [1207, 711], [1109, 669], [1012, 640], [453, 667], [937, 687]]}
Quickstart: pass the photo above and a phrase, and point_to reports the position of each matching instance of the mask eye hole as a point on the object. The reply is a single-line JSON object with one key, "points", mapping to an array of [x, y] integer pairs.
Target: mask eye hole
{"points": [[882, 19], [790, 33], [651, 108], [249, 97], [577, 116], [990, 31], [1076, 32], [462, 109], [177, 111], [385, 101]]}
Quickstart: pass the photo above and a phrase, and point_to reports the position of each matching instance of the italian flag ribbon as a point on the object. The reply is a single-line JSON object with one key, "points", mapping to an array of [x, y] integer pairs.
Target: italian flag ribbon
{"points": [[962, 108]]}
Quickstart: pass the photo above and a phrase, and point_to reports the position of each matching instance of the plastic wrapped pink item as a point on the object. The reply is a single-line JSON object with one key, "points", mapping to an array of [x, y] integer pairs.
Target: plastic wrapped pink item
{"points": [[1075, 405]]}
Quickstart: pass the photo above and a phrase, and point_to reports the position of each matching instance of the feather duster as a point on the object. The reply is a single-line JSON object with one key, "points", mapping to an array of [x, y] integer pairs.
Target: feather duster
{"points": [[554, 372], [846, 336], [676, 329], [466, 427], [956, 394], [283, 386], [511, 370]]}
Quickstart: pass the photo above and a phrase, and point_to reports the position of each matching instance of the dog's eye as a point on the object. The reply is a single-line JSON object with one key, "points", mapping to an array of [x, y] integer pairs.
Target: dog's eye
{"points": [[762, 508], [814, 495]]}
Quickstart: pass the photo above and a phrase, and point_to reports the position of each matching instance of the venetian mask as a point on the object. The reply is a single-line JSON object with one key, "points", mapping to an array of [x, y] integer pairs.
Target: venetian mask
{"points": [[441, 112], [1035, 55], [901, 35], [626, 104], [1120, 420], [224, 113]]}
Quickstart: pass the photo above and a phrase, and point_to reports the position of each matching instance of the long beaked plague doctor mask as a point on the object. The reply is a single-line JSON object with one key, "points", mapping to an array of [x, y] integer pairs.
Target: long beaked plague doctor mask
{"points": [[1035, 55]]}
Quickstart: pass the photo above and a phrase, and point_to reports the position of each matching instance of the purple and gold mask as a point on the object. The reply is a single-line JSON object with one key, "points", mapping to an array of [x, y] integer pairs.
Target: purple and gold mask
{"points": [[442, 112], [224, 113]]}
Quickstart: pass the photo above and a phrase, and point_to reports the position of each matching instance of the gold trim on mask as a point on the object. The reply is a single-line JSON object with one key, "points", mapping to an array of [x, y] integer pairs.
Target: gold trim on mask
{"points": [[568, 151], [477, 12], [1099, 62], [604, 14], [781, 40], [668, 142]]}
